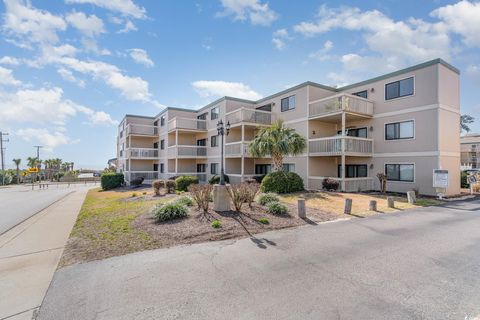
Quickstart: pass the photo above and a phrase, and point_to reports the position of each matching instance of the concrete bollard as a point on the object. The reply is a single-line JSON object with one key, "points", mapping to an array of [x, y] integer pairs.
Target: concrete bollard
{"points": [[302, 212], [390, 202], [348, 206], [372, 206], [411, 197]]}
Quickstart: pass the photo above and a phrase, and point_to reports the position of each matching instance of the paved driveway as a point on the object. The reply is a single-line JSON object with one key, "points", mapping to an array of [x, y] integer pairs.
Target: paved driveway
{"points": [[422, 264], [18, 203]]}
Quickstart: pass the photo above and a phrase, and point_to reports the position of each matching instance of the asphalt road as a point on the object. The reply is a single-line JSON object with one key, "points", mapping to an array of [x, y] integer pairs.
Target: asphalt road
{"points": [[18, 203], [422, 264]]}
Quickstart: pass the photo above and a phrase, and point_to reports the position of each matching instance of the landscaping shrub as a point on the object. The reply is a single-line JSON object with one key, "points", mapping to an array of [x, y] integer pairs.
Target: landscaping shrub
{"points": [[170, 211], [238, 194], [464, 180], [144, 193], [263, 221], [185, 200], [266, 198], [330, 184], [282, 182], [134, 195], [170, 185], [252, 189], [157, 186], [111, 180], [216, 179], [276, 208], [184, 181], [382, 178], [201, 195], [137, 181], [216, 224]]}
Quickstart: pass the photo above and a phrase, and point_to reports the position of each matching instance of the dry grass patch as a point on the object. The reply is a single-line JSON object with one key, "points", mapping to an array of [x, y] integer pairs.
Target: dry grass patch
{"points": [[333, 202]]}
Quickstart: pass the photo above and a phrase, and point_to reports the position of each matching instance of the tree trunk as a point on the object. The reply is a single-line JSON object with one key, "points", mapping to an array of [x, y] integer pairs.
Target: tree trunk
{"points": [[277, 160]]}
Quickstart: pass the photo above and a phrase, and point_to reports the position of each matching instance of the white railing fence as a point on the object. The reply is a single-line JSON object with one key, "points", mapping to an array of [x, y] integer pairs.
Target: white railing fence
{"points": [[342, 102], [333, 145], [236, 149], [142, 129], [187, 123], [143, 152], [187, 151], [250, 115]]}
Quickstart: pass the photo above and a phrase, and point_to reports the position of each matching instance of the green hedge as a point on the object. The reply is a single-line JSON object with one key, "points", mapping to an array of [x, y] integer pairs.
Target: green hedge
{"points": [[184, 181], [216, 179], [282, 182], [112, 180], [464, 180], [169, 211]]}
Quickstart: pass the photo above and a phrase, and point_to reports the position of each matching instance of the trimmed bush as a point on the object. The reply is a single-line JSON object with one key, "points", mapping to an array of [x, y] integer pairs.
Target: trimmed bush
{"points": [[111, 180], [266, 198], [184, 181], [276, 208], [216, 224], [259, 179], [464, 180], [263, 221], [216, 179], [282, 182], [201, 194], [170, 185], [169, 211], [185, 200], [330, 184], [157, 185]]}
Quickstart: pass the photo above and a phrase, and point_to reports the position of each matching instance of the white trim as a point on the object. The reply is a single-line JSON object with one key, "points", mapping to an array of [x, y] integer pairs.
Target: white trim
{"points": [[407, 154]]}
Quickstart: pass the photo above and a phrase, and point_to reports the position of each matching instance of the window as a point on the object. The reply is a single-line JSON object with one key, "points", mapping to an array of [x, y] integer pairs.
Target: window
{"points": [[263, 168], [162, 167], [399, 130], [400, 172], [201, 167], [288, 103], [162, 121], [267, 107], [202, 142], [214, 141], [162, 144], [356, 132], [155, 167], [399, 89], [203, 116], [362, 94], [214, 168], [289, 167], [353, 171], [155, 145], [214, 113]]}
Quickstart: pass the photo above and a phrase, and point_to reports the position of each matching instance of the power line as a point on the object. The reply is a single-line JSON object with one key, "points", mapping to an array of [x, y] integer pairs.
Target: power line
{"points": [[2, 154]]}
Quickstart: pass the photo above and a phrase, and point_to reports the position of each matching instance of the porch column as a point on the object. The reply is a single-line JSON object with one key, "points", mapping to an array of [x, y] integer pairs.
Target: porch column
{"points": [[176, 158], [343, 150], [242, 159]]}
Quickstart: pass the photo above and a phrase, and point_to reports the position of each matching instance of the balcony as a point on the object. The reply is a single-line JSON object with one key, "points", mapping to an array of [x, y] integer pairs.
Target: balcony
{"points": [[236, 149], [186, 152], [351, 184], [250, 116], [332, 146], [142, 153], [141, 130], [189, 124], [340, 103]]}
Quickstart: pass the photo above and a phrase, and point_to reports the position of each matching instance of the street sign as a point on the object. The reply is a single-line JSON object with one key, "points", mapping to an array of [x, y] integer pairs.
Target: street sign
{"points": [[472, 179], [32, 169], [440, 178]]}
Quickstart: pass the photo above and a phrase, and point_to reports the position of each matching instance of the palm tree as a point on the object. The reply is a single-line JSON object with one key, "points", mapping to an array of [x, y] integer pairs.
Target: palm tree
{"points": [[277, 141], [32, 162], [17, 163]]}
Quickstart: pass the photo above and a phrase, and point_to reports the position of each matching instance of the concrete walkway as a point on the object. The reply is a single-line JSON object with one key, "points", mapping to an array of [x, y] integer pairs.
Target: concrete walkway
{"points": [[29, 255]]}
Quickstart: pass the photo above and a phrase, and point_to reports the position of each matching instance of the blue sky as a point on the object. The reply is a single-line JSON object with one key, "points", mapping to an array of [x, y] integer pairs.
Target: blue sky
{"points": [[70, 70]]}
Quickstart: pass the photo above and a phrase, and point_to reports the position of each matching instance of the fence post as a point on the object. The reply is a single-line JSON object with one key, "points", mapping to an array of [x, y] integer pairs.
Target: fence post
{"points": [[372, 205], [348, 206], [390, 202], [301, 208], [411, 197]]}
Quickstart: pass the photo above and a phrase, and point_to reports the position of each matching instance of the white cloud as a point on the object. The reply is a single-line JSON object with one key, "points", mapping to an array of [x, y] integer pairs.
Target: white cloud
{"points": [[124, 7], [253, 10], [49, 140], [463, 18], [129, 26], [278, 43], [9, 60], [279, 38], [141, 56], [322, 54], [90, 26], [68, 76], [30, 25], [222, 88], [6, 77], [97, 117]]}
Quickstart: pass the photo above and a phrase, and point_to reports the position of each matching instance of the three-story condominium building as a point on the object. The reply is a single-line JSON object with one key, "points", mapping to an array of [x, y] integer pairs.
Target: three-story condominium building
{"points": [[470, 151], [404, 124]]}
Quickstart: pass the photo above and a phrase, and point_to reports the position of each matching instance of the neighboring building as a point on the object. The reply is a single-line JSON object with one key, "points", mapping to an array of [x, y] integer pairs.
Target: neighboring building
{"points": [[470, 151], [404, 124]]}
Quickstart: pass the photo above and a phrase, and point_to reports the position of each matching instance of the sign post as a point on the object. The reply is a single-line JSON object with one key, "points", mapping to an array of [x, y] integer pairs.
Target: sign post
{"points": [[440, 182]]}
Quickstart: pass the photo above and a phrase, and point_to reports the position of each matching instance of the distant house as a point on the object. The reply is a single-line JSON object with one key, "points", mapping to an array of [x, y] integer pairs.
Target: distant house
{"points": [[470, 151]]}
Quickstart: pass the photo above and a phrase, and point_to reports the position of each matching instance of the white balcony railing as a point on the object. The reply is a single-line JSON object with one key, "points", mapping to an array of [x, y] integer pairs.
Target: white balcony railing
{"points": [[186, 151], [140, 129], [250, 116], [144, 153], [237, 149], [338, 103], [187, 123], [351, 184], [148, 176], [332, 146]]}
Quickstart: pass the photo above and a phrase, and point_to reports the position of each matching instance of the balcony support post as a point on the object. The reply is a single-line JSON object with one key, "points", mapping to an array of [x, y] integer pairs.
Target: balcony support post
{"points": [[242, 159], [343, 150], [176, 149]]}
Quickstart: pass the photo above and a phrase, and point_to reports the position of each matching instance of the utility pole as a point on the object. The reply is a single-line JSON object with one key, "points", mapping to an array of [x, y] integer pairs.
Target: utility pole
{"points": [[2, 154], [38, 158]]}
